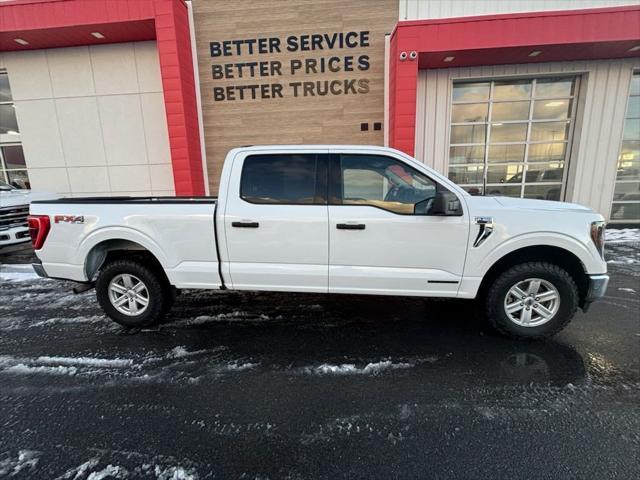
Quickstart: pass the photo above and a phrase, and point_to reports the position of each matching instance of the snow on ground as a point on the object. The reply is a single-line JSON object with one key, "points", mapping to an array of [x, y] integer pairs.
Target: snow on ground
{"points": [[85, 361], [622, 235], [25, 460], [17, 272], [373, 368]]}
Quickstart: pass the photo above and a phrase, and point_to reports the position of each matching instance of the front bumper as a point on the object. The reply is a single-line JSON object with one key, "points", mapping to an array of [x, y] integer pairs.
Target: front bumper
{"points": [[597, 288]]}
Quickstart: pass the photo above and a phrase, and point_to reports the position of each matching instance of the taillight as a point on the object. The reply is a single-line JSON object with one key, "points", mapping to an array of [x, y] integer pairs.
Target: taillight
{"points": [[39, 226], [597, 236]]}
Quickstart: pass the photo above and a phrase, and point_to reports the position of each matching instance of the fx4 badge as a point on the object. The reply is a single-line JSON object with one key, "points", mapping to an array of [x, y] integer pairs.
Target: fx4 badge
{"points": [[68, 219]]}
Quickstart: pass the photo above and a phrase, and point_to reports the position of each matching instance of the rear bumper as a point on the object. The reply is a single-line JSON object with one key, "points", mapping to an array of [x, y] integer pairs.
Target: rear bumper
{"points": [[39, 269], [597, 288]]}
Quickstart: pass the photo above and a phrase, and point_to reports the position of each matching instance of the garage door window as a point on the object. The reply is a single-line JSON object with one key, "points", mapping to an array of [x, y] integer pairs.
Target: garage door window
{"points": [[511, 137], [13, 169], [626, 195]]}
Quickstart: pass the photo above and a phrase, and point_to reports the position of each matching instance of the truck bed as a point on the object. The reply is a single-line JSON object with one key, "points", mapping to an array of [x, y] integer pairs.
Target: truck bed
{"points": [[178, 231]]}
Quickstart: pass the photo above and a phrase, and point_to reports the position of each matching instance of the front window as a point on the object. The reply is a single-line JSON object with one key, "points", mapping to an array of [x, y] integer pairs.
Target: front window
{"points": [[383, 182], [511, 137], [626, 195], [13, 168]]}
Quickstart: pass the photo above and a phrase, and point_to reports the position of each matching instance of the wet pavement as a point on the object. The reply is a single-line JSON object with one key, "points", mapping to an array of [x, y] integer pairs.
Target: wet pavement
{"points": [[307, 386]]}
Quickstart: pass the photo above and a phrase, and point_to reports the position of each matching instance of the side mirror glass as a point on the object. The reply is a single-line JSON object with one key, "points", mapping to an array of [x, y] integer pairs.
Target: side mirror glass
{"points": [[444, 203]]}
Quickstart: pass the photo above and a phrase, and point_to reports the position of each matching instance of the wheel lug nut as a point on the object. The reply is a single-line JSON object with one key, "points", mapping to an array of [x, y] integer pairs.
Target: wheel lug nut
{"points": [[528, 308], [537, 298], [535, 306]]}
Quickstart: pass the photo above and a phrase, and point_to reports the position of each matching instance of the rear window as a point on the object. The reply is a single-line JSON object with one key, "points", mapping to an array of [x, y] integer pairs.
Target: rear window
{"points": [[279, 179]]}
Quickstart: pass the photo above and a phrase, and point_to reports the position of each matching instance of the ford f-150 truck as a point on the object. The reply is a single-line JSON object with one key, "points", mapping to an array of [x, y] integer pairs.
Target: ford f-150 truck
{"points": [[330, 219]]}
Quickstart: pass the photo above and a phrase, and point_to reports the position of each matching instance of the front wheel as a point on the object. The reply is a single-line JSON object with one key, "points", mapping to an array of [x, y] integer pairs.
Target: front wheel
{"points": [[132, 294], [532, 300]]}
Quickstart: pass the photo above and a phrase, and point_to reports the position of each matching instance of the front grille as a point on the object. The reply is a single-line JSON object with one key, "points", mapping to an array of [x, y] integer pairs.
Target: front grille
{"points": [[12, 217]]}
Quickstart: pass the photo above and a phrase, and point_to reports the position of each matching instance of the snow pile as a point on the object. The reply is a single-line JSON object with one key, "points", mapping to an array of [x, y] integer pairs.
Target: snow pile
{"points": [[79, 471], [86, 361], [374, 368], [46, 365], [25, 459], [174, 473], [21, 368], [70, 320], [110, 471], [622, 235], [17, 273], [234, 316]]}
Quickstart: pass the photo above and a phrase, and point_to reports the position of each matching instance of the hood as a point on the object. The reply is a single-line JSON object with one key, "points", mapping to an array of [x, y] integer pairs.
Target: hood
{"points": [[16, 197], [545, 205]]}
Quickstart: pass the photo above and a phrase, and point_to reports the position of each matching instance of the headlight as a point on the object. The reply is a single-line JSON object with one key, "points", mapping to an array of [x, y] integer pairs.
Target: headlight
{"points": [[597, 235]]}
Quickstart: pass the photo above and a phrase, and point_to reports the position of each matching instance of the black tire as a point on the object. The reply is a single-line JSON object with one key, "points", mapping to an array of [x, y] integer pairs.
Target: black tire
{"points": [[557, 276], [160, 293]]}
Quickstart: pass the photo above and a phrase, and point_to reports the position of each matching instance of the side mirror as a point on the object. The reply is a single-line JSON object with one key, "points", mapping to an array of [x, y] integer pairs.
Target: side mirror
{"points": [[444, 203]]}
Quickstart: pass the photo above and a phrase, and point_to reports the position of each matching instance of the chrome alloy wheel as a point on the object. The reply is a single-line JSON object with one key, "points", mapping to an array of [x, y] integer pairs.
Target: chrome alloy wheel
{"points": [[128, 294], [532, 302]]}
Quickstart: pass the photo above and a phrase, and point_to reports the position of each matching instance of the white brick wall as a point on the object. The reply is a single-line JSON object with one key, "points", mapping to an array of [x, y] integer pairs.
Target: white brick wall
{"points": [[92, 119]]}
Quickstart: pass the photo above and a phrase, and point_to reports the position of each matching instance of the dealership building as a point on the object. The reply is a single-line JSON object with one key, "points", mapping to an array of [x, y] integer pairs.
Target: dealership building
{"points": [[525, 98]]}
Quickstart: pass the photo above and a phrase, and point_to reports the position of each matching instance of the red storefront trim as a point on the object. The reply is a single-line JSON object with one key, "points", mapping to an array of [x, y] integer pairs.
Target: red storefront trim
{"points": [[499, 39], [64, 23]]}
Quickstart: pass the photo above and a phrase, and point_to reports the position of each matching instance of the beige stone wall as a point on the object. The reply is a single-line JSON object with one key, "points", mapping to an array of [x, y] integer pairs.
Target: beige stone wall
{"points": [[314, 117]]}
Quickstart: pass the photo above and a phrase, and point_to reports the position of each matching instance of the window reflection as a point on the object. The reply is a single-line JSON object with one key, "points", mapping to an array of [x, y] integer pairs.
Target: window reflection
{"points": [[383, 182], [521, 137]]}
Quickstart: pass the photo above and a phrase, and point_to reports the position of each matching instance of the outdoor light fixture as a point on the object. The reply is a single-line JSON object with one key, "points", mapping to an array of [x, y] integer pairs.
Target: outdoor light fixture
{"points": [[21, 41], [97, 34], [448, 59], [634, 49], [535, 53]]}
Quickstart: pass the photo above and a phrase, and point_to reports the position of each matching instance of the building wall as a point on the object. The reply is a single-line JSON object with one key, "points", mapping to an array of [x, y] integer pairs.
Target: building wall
{"points": [[294, 118], [92, 119], [424, 9], [598, 130]]}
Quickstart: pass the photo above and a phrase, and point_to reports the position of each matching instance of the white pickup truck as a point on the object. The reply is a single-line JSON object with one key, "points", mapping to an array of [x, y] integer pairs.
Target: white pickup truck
{"points": [[330, 219]]}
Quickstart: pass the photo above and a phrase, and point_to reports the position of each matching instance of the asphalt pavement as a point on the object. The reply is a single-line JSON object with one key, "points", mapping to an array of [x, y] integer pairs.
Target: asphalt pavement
{"points": [[267, 386]]}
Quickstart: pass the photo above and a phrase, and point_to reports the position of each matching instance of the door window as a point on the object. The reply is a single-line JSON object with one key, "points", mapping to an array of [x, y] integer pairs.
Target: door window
{"points": [[281, 179], [383, 182]]}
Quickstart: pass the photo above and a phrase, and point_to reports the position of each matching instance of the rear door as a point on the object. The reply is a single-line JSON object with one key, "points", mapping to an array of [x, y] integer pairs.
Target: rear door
{"points": [[276, 221], [377, 244]]}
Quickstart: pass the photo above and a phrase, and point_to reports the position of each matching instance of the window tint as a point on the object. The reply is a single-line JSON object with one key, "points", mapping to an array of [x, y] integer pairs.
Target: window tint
{"points": [[282, 178], [383, 182]]}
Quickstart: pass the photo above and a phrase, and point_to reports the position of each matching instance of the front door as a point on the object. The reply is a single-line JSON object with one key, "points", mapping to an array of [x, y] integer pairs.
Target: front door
{"points": [[276, 225], [377, 244]]}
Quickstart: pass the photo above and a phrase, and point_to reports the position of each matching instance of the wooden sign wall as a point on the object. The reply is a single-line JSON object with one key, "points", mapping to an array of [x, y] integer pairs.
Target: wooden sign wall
{"points": [[290, 72]]}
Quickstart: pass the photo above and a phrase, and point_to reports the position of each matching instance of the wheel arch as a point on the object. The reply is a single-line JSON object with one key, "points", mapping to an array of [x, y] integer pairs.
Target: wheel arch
{"points": [[115, 248], [562, 257]]}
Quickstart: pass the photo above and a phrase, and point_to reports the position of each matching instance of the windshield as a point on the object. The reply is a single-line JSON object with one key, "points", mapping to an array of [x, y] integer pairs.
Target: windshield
{"points": [[5, 186]]}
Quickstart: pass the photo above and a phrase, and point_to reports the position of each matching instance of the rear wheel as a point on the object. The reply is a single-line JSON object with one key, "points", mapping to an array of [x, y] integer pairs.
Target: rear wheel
{"points": [[132, 293], [532, 300]]}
